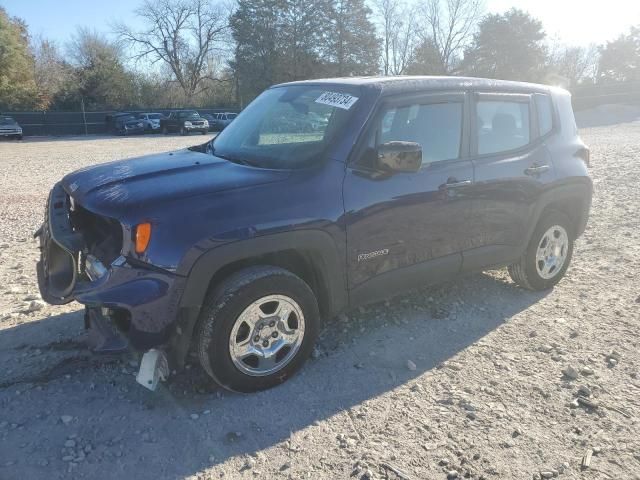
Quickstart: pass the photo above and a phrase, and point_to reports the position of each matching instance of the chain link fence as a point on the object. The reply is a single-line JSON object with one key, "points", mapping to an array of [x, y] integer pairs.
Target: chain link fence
{"points": [[79, 123]]}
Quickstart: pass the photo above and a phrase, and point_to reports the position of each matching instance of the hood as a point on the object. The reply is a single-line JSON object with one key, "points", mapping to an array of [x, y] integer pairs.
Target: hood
{"points": [[133, 187]]}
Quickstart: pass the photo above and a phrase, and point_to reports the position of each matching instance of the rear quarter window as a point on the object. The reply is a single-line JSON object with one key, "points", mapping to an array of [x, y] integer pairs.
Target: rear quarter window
{"points": [[545, 113]]}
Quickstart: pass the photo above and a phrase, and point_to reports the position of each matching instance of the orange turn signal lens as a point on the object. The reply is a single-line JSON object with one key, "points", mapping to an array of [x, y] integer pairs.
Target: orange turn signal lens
{"points": [[143, 235]]}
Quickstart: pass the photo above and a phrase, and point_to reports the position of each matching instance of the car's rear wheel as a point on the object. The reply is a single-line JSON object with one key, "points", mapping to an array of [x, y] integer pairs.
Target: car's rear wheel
{"points": [[548, 254], [257, 328]]}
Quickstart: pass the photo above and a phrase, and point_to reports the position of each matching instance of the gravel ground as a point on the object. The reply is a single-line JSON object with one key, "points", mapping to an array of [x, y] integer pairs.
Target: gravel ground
{"points": [[460, 381]]}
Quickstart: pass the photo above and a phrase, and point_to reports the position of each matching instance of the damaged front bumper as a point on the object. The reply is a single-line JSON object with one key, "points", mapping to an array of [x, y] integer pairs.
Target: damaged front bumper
{"points": [[127, 298]]}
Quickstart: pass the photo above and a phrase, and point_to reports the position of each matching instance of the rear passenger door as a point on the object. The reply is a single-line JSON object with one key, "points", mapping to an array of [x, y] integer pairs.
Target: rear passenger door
{"points": [[512, 169]]}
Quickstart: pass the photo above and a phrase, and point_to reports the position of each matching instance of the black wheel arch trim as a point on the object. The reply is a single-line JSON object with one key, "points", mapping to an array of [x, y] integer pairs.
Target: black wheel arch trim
{"points": [[579, 188], [327, 261]]}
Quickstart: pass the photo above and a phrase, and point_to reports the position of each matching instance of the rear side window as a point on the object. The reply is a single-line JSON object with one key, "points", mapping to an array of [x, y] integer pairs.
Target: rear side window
{"points": [[545, 113], [437, 127], [502, 125]]}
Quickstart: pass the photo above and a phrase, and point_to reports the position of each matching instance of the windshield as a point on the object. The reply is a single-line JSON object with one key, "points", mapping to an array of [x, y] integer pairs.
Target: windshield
{"points": [[7, 121], [189, 115], [231, 116], [286, 127], [155, 116]]}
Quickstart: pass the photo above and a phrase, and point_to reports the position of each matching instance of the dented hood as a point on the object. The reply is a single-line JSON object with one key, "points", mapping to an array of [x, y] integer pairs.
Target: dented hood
{"points": [[123, 188]]}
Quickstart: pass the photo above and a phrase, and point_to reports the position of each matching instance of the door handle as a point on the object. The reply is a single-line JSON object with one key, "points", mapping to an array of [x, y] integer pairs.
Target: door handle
{"points": [[456, 184], [536, 169]]}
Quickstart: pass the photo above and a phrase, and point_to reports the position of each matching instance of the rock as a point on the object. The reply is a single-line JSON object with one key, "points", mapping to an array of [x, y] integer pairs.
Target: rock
{"points": [[584, 391], [66, 419], [570, 372], [249, 463], [612, 362], [411, 366], [545, 348], [546, 474], [70, 443], [452, 474], [67, 458], [586, 371], [194, 416], [35, 305]]}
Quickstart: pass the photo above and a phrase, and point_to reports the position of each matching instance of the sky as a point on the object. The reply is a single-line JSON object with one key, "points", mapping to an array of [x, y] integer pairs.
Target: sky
{"points": [[575, 22]]}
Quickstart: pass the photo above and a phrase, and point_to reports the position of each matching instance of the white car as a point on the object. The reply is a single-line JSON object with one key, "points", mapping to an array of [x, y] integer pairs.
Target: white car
{"points": [[151, 121]]}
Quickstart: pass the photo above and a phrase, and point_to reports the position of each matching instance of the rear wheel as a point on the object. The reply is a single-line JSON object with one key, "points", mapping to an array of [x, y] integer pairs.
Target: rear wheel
{"points": [[257, 328], [548, 254]]}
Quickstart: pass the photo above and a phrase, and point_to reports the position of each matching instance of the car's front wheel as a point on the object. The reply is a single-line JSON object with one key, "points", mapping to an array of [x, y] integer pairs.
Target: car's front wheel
{"points": [[548, 254], [257, 328]]}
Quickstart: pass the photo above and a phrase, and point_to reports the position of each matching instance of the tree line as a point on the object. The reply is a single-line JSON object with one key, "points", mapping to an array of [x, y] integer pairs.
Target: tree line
{"points": [[202, 53]]}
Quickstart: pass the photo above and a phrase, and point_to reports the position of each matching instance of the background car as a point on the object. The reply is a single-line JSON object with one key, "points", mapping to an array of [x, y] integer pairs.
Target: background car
{"points": [[211, 119], [124, 124], [9, 128], [222, 120], [184, 122], [151, 121]]}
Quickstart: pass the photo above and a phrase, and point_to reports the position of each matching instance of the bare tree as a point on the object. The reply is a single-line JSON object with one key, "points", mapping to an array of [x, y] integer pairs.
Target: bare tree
{"points": [[572, 64], [449, 25], [185, 35], [397, 24]]}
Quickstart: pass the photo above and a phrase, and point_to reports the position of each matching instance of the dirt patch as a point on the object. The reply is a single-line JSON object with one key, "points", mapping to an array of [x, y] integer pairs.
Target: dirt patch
{"points": [[472, 379]]}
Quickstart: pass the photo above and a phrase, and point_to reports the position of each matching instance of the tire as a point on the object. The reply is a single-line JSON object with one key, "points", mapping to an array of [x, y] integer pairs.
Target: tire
{"points": [[534, 273], [222, 320]]}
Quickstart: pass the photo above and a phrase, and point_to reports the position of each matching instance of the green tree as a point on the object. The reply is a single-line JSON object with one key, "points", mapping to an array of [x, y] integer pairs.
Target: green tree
{"points": [[99, 77], [17, 83], [620, 59], [426, 60], [508, 46], [353, 45], [255, 30]]}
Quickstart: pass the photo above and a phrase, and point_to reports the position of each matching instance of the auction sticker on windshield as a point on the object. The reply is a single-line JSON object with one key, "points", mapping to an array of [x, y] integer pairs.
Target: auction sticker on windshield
{"points": [[334, 99]]}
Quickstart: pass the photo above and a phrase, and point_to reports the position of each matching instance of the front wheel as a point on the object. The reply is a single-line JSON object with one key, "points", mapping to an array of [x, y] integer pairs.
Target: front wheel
{"points": [[548, 254], [257, 328]]}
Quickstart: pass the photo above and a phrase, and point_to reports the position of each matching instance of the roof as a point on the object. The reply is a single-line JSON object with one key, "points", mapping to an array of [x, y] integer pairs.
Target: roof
{"points": [[402, 84]]}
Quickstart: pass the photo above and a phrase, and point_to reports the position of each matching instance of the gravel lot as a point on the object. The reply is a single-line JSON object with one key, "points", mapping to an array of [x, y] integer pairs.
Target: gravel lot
{"points": [[460, 381]]}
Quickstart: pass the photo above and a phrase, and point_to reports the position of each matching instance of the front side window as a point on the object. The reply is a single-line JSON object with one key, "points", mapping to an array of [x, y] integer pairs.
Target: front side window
{"points": [[287, 127], [437, 127], [502, 125]]}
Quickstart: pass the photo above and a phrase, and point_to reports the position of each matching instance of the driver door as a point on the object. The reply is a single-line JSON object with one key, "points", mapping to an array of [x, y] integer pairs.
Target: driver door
{"points": [[407, 229]]}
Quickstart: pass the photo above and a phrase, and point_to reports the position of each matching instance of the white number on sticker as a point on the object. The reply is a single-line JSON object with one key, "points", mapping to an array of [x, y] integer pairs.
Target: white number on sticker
{"points": [[339, 100]]}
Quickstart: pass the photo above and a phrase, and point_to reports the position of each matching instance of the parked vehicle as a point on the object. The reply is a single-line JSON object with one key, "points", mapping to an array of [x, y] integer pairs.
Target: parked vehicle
{"points": [[210, 119], [9, 128], [151, 121], [242, 245], [184, 122], [124, 124], [222, 120]]}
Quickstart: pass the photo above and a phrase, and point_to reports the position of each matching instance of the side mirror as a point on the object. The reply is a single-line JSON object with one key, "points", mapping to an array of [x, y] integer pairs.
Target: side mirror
{"points": [[400, 156]]}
